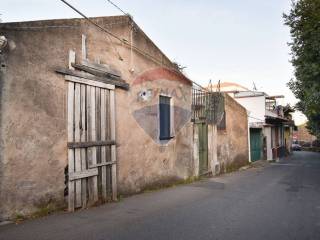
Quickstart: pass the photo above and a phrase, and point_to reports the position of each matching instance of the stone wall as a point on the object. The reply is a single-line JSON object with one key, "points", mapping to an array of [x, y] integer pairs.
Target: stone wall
{"points": [[33, 146], [232, 142]]}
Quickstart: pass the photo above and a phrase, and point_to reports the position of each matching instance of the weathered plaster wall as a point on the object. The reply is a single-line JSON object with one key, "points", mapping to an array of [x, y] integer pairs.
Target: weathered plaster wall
{"points": [[33, 112], [144, 160], [267, 134], [232, 143], [214, 165], [33, 133]]}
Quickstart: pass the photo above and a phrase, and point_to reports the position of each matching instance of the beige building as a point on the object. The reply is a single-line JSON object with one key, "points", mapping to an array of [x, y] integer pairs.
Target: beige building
{"points": [[65, 81], [89, 113], [270, 124]]}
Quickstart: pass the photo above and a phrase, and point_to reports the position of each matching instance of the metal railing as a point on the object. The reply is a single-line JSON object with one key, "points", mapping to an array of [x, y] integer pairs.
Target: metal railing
{"points": [[207, 106]]}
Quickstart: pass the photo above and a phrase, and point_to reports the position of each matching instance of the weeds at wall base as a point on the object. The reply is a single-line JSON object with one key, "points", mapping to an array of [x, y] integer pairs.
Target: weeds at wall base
{"points": [[40, 212], [51, 208], [156, 187]]}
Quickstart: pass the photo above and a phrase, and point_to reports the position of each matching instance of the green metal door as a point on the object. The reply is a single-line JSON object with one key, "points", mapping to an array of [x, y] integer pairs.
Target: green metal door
{"points": [[255, 144], [203, 147]]}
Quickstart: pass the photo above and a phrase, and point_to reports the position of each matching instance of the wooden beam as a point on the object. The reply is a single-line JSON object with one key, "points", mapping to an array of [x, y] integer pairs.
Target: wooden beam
{"points": [[92, 115], [117, 83], [102, 164], [83, 174], [77, 156], [91, 181], [83, 138], [96, 72], [70, 107], [102, 68], [88, 82], [103, 119], [72, 145], [113, 147], [108, 149]]}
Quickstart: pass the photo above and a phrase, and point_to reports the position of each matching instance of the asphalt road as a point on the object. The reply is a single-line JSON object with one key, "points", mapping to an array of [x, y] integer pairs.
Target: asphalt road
{"points": [[278, 201]]}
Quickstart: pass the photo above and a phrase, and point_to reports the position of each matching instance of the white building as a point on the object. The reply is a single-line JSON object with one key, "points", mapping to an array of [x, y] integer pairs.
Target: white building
{"points": [[270, 130]]}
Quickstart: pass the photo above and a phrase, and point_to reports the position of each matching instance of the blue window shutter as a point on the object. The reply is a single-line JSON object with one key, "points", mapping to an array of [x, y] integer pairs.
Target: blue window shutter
{"points": [[164, 111]]}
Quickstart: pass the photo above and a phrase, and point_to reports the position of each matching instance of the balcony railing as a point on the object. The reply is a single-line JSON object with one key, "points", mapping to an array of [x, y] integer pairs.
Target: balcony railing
{"points": [[272, 107], [207, 106]]}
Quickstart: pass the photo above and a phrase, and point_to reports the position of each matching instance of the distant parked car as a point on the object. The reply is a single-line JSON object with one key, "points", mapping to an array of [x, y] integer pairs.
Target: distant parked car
{"points": [[296, 147]]}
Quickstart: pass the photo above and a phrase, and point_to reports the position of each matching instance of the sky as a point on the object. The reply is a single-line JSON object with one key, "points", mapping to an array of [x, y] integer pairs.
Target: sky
{"points": [[242, 41]]}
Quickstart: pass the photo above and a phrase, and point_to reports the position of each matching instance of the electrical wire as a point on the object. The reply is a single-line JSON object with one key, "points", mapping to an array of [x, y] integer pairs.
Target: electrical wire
{"points": [[125, 42], [131, 31], [116, 6], [97, 25]]}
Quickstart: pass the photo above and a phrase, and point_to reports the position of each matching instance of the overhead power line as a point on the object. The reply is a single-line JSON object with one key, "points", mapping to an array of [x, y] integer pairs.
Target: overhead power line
{"points": [[94, 23], [116, 6], [125, 42], [97, 25]]}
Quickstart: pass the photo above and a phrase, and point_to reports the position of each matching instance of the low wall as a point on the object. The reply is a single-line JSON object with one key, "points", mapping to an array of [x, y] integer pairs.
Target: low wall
{"points": [[232, 142]]}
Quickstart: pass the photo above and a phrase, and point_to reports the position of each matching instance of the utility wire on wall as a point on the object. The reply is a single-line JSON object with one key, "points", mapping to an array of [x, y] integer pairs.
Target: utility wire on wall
{"points": [[125, 42], [131, 69], [97, 25], [116, 6]]}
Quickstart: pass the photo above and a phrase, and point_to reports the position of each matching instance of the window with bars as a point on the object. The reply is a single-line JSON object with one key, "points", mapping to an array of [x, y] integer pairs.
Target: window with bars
{"points": [[207, 106]]}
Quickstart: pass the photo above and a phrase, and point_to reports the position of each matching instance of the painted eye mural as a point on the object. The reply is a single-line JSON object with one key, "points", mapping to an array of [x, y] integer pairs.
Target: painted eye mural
{"points": [[163, 103]]}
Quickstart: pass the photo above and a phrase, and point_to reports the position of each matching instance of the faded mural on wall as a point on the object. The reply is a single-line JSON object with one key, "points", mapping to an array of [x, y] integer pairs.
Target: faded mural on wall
{"points": [[147, 88]]}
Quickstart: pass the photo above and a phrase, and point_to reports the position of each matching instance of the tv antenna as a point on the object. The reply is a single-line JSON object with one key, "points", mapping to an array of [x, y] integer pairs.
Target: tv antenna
{"points": [[254, 87]]}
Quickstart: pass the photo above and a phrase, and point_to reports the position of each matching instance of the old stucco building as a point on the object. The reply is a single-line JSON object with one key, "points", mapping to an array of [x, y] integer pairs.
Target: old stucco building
{"points": [[88, 113], [35, 111]]}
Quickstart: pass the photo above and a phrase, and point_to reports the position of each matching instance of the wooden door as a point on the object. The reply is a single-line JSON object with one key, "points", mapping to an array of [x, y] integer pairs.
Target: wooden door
{"points": [[91, 142], [255, 144], [203, 147]]}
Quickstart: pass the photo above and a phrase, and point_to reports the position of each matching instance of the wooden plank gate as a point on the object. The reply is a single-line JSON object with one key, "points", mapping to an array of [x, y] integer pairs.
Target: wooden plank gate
{"points": [[91, 142]]}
